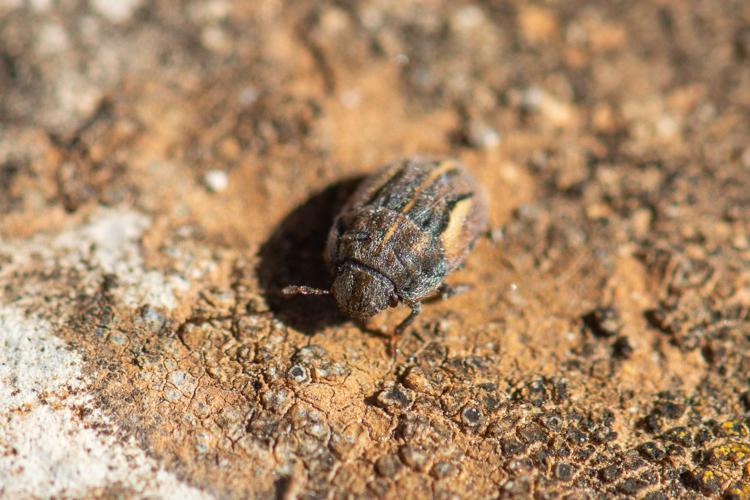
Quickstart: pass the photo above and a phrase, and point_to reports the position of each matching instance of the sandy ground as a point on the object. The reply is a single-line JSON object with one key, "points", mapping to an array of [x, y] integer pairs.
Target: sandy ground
{"points": [[167, 167]]}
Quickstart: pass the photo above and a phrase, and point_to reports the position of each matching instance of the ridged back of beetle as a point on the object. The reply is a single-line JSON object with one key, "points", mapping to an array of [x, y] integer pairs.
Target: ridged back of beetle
{"points": [[413, 221], [390, 244]]}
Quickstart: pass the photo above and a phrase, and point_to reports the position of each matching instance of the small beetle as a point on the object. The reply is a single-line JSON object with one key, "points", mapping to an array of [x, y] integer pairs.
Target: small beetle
{"points": [[403, 230]]}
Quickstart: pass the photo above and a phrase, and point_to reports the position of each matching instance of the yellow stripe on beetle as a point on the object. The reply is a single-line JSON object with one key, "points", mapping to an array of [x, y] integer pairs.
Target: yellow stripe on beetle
{"points": [[429, 180], [453, 243]]}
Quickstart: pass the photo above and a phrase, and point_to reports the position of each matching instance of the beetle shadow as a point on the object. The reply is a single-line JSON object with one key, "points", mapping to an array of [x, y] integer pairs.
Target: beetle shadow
{"points": [[293, 255]]}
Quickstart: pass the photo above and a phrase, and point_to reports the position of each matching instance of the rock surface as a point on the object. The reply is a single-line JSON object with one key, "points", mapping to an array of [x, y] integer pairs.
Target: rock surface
{"points": [[165, 171]]}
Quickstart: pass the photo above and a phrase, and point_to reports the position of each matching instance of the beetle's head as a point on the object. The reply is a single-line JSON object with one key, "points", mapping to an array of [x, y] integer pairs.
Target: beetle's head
{"points": [[362, 292]]}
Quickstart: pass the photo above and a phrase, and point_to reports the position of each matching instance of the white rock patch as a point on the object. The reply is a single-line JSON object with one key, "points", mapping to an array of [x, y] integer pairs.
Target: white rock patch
{"points": [[49, 449], [54, 442], [110, 243]]}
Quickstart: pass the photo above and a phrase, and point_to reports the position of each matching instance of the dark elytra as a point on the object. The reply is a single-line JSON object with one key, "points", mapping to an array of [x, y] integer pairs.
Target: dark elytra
{"points": [[402, 231]]}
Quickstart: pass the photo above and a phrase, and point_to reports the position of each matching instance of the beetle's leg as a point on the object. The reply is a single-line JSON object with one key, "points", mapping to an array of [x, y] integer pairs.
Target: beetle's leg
{"points": [[416, 308], [447, 291]]}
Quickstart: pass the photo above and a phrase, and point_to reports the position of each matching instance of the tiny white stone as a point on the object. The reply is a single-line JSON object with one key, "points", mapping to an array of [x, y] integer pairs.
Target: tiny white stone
{"points": [[39, 5], [53, 39], [248, 96], [401, 59], [483, 136], [215, 39], [116, 11], [667, 126], [351, 99], [469, 18], [216, 180]]}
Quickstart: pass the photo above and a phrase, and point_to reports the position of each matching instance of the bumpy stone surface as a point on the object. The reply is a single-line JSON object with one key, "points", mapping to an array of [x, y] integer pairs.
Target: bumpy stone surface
{"points": [[166, 169]]}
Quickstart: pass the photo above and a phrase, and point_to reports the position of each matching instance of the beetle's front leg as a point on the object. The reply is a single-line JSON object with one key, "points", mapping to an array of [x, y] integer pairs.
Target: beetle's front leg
{"points": [[416, 308]]}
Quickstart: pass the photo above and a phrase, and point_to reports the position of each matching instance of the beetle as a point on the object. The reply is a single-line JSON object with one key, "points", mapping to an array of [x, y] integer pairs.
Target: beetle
{"points": [[403, 230]]}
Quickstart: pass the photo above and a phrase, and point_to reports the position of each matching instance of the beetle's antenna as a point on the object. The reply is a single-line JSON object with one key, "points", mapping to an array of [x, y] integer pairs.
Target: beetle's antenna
{"points": [[304, 290]]}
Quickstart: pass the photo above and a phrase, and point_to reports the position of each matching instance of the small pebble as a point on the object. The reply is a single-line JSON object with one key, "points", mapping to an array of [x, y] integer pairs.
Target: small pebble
{"points": [[482, 136], [351, 99], [401, 59], [248, 96], [116, 11], [216, 180]]}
